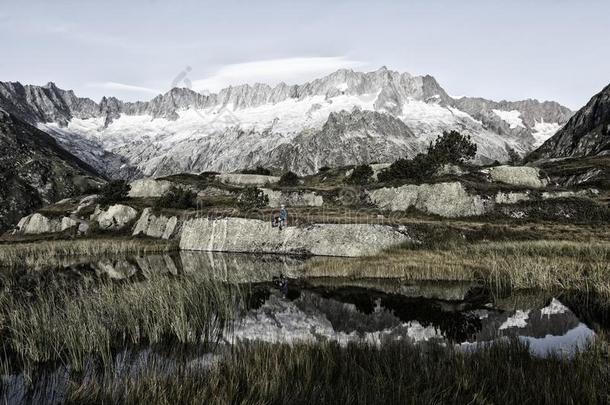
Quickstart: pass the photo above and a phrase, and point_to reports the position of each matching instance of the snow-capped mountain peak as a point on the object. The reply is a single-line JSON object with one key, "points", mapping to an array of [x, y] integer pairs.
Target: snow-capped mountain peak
{"points": [[294, 127]]}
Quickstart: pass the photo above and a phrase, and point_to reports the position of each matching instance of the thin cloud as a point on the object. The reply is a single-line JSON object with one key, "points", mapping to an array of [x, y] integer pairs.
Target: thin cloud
{"points": [[274, 71], [114, 86]]}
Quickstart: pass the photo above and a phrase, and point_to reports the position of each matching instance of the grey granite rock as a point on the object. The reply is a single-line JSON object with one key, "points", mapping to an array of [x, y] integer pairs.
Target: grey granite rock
{"points": [[256, 236]]}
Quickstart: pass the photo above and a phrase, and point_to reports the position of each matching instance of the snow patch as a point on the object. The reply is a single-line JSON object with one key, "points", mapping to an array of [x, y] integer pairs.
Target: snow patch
{"points": [[518, 320], [555, 307], [513, 118], [543, 131]]}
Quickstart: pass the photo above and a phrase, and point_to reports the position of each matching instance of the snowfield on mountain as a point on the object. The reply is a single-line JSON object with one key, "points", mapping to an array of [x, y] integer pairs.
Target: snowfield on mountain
{"points": [[344, 118]]}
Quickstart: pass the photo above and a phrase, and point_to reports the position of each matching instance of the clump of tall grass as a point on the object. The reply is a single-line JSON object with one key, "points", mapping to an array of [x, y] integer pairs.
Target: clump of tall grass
{"points": [[74, 327], [549, 265], [395, 373], [36, 254]]}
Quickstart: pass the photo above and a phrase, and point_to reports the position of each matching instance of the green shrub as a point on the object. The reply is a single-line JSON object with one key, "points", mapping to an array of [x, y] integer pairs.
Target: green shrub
{"points": [[452, 147], [420, 168], [259, 170], [114, 192], [252, 198], [178, 198], [360, 175], [289, 179]]}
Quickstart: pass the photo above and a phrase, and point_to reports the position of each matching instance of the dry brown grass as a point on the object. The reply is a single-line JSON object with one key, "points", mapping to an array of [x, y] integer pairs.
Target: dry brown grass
{"points": [[35, 254], [518, 265]]}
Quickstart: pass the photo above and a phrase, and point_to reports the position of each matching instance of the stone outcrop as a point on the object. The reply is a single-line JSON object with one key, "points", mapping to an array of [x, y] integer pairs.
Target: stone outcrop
{"points": [[86, 202], [378, 168], [511, 197], [35, 224], [256, 236], [293, 198], [156, 226], [149, 188], [453, 200], [114, 269], [114, 217], [449, 169], [255, 180], [444, 199], [525, 176]]}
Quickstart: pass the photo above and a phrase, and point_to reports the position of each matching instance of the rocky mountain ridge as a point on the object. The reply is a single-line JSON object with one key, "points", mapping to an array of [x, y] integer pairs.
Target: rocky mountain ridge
{"points": [[35, 170], [288, 127], [587, 133]]}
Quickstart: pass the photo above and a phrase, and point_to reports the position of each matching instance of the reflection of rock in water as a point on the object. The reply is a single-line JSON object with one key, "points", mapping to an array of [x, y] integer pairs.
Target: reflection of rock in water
{"points": [[158, 264], [240, 268], [116, 269]]}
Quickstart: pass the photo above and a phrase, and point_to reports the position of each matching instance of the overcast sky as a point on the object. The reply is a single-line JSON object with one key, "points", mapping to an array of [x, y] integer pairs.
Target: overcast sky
{"points": [[546, 49]]}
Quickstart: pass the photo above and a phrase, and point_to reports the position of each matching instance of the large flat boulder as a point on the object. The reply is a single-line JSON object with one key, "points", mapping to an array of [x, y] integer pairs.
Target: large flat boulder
{"points": [[147, 188], [445, 199], [256, 236], [525, 176]]}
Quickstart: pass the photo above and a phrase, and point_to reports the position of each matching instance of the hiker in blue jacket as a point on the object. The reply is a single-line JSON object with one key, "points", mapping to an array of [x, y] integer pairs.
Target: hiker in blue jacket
{"points": [[283, 216]]}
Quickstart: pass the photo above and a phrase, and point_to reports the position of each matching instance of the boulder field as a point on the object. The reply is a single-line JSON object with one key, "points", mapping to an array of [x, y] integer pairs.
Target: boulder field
{"points": [[453, 200], [513, 187]]}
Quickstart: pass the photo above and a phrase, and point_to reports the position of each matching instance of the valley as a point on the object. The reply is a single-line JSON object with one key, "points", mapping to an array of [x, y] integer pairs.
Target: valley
{"points": [[362, 237]]}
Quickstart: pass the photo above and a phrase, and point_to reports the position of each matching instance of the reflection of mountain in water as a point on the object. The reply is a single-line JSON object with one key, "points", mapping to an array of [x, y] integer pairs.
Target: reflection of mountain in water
{"points": [[363, 315], [339, 310], [554, 319]]}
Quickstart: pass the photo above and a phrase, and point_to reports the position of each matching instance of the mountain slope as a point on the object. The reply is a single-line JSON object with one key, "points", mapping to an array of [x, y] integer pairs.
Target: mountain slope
{"points": [[587, 133], [283, 126], [35, 170]]}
